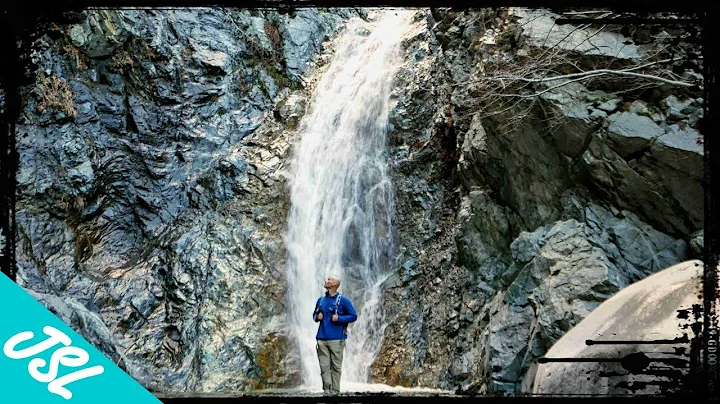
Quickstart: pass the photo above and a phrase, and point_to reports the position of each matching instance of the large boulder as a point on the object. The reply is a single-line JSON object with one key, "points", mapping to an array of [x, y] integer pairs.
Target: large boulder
{"points": [[663, 306]]}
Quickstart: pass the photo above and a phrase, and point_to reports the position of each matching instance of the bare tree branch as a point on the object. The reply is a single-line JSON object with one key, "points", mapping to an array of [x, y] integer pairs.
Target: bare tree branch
{"points": [[549, 88], [507, 88], [582, 74], [586, 12], [592, 73]]}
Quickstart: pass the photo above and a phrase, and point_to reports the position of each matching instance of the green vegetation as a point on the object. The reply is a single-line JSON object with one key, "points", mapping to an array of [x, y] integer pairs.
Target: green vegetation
{"points": [[280, 79]]}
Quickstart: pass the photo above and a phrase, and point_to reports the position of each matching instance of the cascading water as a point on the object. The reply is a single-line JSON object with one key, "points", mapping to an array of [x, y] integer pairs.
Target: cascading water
{"points": [[342, 204]]}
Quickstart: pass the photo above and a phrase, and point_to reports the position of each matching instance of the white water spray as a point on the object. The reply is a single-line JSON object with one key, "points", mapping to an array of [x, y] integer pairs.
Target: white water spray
{"points": [[342, 200]]}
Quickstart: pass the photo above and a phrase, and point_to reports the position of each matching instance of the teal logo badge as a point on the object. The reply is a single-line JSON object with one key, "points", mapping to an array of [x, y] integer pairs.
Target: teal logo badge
{"points": [[44, 361]]}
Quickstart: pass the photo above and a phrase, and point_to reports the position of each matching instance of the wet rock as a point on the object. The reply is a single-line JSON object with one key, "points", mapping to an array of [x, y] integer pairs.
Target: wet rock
{"points": [[114, 204], [303, 34]]}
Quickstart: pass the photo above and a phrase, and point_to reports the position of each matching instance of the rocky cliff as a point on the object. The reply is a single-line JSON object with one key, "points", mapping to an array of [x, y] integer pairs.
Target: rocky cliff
{"points": [[519, 218], [152, 200], [151, 204]]}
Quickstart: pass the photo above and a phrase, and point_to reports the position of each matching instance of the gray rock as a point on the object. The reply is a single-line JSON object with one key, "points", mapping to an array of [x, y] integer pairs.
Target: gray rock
{"points": [[73, 149], [631, 133], [609, 105], [598, 114], [678, 174], [639, 107], [214, 59], [684, 139], [179, 161], [570, 100], [485, 229], [697, 243], [88, 324], [473, 154], [676, 204], [101, 33], [676, 108], [540, 28], [527, 245], [568, 269], [82, 176], [409, 270], [114, 204], [519, 149], [291, 109], [303, 35]]}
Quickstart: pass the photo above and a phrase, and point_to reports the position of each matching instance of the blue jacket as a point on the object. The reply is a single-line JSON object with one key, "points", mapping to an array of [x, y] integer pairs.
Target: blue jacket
{"points": [[328, 329]]}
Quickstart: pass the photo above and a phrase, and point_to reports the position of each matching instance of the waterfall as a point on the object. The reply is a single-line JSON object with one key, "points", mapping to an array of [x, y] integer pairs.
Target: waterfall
{"points": [[342, 203]]}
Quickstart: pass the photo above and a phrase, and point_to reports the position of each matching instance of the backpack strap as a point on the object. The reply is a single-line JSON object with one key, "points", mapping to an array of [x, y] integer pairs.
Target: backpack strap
{"points": [[337, 302], [318, 305]]}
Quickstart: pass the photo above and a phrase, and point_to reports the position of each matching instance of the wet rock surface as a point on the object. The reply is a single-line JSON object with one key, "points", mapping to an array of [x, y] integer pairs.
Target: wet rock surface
{"points": [[151, 193]]}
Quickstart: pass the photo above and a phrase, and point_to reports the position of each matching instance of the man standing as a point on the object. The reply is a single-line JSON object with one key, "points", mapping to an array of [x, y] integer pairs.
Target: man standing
{"points": [[334, 312]]}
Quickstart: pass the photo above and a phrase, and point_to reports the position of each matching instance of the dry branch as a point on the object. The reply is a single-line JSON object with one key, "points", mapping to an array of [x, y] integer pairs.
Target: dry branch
{"points": [[594, 73]]}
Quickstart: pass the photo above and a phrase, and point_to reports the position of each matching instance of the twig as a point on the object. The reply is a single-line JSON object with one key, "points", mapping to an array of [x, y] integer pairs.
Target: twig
{"points": [[591, 73], [122, 355], [586, 12], [549, 88], [580, 74]]}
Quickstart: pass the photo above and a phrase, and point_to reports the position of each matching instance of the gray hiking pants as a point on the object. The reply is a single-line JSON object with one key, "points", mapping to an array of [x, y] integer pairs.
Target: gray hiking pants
{"points": [[330, 355]]}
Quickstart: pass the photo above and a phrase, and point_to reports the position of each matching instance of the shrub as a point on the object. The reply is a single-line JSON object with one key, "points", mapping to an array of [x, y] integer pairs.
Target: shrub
{"points": [[273, 34], [123, 61], [56, 95]]}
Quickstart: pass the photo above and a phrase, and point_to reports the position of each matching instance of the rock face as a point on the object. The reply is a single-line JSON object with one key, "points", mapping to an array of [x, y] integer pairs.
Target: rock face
{"points": [[516, 225], [663, 306], [152, 201]]}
